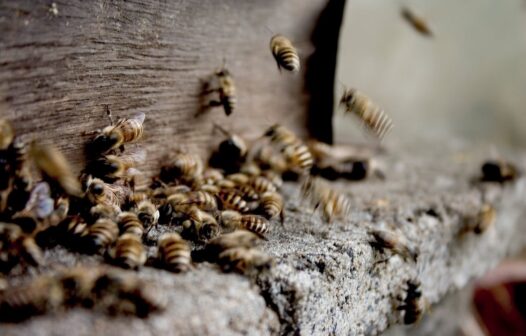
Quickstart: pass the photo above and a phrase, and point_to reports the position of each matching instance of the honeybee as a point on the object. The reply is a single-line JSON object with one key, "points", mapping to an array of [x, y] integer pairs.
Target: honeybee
{"points": [[129, 251], [200, 227], [126, 130], [418, 23], [103, 210], [184, 166], [201, 199], [251, 169], [231, 152], [333, 203], [296, 153], [384, 240], [414, 305], [221, 83], [499, 171], [6, 134], [115, 167], [147, 213], [254, 223], [284, 53], [101, 234], [39, 206], [233, 200], [371, 115], [174, 253], [271, 205], [210, 177], [242, 260], [100, 192], [76, 284], [238, 238], [54, 165], [485, 219], [129, 223]]}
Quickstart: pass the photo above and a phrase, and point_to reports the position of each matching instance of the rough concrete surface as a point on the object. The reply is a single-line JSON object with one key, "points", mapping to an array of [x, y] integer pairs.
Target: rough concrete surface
{"points": [[327, 280]]}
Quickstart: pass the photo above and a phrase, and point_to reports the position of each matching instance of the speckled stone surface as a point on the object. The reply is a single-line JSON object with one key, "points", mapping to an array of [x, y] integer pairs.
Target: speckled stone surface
{"points": [[327, 279]]}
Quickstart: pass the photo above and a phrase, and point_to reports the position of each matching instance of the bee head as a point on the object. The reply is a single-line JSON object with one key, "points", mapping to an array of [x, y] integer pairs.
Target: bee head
{"points": [[96, 188]]}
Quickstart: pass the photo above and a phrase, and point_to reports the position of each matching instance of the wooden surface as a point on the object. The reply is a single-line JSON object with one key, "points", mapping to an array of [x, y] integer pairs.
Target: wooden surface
{"points": [[59, 69]]}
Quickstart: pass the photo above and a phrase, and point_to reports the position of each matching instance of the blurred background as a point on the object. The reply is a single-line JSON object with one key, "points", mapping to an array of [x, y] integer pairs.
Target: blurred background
{"points": [[468, 80]]}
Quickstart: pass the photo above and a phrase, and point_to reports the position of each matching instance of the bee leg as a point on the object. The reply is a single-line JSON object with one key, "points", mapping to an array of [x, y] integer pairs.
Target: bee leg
{"points": [[121, 149], [109, 115], [214, 103]]}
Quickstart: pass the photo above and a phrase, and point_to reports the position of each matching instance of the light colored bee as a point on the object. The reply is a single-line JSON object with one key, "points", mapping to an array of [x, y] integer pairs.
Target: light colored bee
{"points": [[238, 238], [183, 166], [99, 192], [101, 234], [201, 199], [126, 130], [200, 226], [129, 223], [284, 53], [221, 83], [242, 260], [233, 200], [115, 167], [254, 223], [6, 134], [147, 213], [418, 23], [233, 147], [271, 205], [129, 251], [333, 203], [382, 240], [54, 165], [296, 153], [372, 116], [174, 253]]}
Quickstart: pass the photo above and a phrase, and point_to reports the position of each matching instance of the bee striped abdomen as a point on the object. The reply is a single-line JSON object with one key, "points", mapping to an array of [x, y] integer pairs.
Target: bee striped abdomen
{"points": [[129, 251], [285, 54], [130, 223], [174, 252]]}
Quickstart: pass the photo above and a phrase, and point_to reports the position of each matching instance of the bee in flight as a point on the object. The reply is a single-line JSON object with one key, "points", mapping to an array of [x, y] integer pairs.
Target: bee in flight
{"points": [[418, 23], [221, 84], [284, 53]]}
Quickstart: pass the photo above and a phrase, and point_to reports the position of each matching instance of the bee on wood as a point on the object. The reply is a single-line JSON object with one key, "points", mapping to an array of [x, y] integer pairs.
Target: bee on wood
{"points": [[372, 116], [413, 305], [269, 159], [41, 295], [99, 192], [254, 223], [296, 153], [273, 177], [147, 213], [418, 23], [126, 130], [222, 84], [184, 166], [7, 134], [382, 240], [271, 206], [499, 171], [101, 234], [201, 199], [232, 200], [102, 210], [284, 53], [112, 167], [242, 260], [210, 189], [167, 191], [333, 203], [130, 223], [238, 238], [174, 253], [129, 251], [54, 165], [200, 226]]}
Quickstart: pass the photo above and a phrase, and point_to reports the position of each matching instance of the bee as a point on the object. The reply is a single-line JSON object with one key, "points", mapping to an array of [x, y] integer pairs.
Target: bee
{"points": [[147, 213], [129, 251], [221, 83], [114, 167], [7, 134], [485, 219], [174, 253], [200, 226], [271, 206], [231, 152], [254, 223], [184, 166], [268, 159], [242, 260], [414, 305], [232, 200], [238, 178], [39, 206], [201, 199], [418, 23], [41, 295], [210, 189], [371, 115], [384, 240], [333, 203], [100, 192], [499, 171], [273, 177], [126, 130], [296, 153], [238, 238], [54, 165], [103, 210], [61, 210], [101, 234], [284, 53], [130, 223]]}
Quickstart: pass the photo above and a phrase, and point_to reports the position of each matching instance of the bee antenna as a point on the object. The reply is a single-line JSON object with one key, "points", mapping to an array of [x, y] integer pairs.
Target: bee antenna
{"points": [[221, 129]]}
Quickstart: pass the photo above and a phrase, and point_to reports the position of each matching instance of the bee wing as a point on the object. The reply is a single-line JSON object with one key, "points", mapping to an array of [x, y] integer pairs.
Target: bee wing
{"points": [[139, 117], [40, 202]]}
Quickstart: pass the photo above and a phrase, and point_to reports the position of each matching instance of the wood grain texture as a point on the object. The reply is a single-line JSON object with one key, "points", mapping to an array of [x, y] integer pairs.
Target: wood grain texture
{"points": [[59, 70]]}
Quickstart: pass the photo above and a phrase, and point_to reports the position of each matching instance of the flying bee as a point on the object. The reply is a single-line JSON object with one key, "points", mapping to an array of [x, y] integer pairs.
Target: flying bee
{"points": [[174, 253], [372, 116], [271, 206], [54, 165], [296, 153], [238, 178], [126, 130], [6, 134], [99, 192], [147, 213], [242, 260], [202, 200], [414, 304], [103, 210], [210, 189], [238, 238], [200, 227], [269, 159], [222, 84], [114, 167], [273, 177], [499, 171], [184, 166], [130, 223], [418, 23], [210, 176], [232, 200], [101, 234], [261, 185], [333, 203], [284, 53], [129, 251], [231, 152], [382, 240], [254, 223]]}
